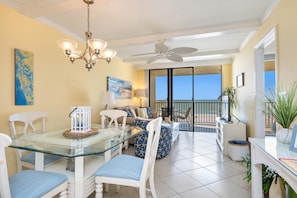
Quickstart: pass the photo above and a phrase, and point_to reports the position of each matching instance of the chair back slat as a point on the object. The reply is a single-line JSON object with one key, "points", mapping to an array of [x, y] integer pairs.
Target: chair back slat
{"points": [[188, 112], [154, 130]]}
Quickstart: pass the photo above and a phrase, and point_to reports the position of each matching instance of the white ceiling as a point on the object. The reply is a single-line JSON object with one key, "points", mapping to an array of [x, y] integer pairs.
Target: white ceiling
{"points": [[218, 28]]}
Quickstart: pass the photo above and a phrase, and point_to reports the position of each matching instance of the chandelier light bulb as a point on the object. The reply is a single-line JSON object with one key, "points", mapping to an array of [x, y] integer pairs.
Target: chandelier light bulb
{"points": [[67, 44], [97, 44], [109, 53]]}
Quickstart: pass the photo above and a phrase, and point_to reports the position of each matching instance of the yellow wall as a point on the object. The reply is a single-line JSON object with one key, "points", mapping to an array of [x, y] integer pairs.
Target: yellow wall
{"points": [[282, 18], [58, 84], [226, 76]]}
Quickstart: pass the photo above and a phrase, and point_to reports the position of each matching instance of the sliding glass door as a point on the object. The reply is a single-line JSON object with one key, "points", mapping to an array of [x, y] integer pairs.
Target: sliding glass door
{"points": [[182, 97], [189, 95], [171, 94], [158, 92]]}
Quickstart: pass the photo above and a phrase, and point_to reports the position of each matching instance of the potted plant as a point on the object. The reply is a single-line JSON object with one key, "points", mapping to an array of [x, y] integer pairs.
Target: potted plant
{"points": [[267, 174], [283, 108], [231, 92]]}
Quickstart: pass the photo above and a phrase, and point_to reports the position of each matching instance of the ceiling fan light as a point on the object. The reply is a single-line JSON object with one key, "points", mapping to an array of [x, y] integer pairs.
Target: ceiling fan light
{"points": [[67, 44], [97, 44]]}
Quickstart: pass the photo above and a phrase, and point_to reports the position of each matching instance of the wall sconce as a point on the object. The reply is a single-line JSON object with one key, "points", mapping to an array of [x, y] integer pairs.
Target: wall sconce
{"points": [[139, 93]]}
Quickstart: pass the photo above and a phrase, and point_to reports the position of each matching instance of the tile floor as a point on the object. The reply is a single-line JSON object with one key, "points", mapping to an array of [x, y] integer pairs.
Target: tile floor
{"points": [[194, 168]]}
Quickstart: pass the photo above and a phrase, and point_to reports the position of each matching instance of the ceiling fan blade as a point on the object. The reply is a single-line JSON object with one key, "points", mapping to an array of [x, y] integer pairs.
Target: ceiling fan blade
{"points": [[150, 53], [153, 59], [174, 57], [183, 50]]}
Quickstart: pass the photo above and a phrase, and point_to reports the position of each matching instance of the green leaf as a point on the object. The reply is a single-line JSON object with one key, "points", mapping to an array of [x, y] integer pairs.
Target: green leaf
{"points": [[284, 105]]}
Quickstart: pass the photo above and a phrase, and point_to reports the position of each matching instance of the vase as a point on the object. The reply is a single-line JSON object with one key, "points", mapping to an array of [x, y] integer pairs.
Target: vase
{"points": [[284, 135]]}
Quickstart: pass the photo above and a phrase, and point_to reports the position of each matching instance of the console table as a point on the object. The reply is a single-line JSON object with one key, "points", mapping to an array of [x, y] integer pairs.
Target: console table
{"points": [[268, 151]]}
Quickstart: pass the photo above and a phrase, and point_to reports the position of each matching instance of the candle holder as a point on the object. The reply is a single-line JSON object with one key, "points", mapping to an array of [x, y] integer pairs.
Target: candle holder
{"points": [[80, 119]]}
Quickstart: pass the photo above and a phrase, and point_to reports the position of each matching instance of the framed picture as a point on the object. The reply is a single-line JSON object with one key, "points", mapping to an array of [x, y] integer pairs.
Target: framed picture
{"points": [[293, 144], [24, 90], [240, 80], [121, 89]]}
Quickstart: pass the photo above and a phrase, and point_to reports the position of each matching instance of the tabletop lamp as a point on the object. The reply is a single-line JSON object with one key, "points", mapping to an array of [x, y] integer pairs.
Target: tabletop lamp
{"points": [[139, 93], [108, 99]]}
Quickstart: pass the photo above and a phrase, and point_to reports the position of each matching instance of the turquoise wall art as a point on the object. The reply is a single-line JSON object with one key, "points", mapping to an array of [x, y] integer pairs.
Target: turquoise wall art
{"points": [[24, 92]]}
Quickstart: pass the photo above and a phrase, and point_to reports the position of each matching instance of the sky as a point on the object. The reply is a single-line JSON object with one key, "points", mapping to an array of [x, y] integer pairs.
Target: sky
{"points": [[207, 87], [182, 87], [269, 81]]}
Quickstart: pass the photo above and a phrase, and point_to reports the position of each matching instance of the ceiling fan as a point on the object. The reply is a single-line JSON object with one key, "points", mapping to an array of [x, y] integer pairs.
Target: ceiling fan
{"points": [[163, 51]]}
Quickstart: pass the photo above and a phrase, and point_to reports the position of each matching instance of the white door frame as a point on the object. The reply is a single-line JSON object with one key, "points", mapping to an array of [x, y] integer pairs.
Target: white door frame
{"points": [[259, 82]]}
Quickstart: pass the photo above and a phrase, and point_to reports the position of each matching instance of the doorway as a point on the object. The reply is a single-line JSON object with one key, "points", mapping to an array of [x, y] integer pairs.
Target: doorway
{"points": [[189, 96], [265, 61], [171, 94]]}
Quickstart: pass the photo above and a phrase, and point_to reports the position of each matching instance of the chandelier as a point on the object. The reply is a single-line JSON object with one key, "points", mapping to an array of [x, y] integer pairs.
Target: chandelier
{"points": [[95, 48]]}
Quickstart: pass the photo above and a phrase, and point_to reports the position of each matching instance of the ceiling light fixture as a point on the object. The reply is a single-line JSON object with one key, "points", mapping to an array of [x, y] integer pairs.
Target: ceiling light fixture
{"points": [[95, 48]]}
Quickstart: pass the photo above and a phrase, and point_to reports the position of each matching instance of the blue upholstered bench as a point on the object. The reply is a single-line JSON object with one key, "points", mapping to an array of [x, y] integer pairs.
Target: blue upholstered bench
{"points": [[165, 142]]}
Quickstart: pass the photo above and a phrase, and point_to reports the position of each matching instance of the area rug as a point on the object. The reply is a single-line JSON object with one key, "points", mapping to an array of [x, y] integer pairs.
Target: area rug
{"points": [[187, 127]]}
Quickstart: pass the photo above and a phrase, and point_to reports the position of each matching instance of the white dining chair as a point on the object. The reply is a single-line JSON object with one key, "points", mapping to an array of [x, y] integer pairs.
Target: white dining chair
{"points": [[110, 117], [29, 120], [132, 171], [29, 183]]}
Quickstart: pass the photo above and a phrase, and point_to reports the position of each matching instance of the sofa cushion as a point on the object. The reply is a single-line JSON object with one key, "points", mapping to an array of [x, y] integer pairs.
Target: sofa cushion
{"points": [[133, 113], [140, 140], [142, 112], [132, 110]]}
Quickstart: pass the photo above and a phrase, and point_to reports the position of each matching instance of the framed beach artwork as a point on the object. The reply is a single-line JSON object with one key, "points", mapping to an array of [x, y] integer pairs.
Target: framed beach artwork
{"points": [[121, 89], [24, 94]]}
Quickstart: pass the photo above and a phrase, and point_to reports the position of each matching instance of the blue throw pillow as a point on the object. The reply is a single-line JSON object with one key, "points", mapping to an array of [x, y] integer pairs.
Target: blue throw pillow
{"points": [[129, 113], [149, 111]]}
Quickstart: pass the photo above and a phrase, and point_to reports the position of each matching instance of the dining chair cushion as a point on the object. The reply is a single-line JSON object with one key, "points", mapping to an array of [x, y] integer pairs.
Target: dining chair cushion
{"points": [[48, 158], [40, 183], [122, 166]]}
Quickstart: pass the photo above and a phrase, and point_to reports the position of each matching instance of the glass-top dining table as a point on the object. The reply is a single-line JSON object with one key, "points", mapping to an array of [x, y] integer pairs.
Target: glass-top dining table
{"points": [[84, 150]]}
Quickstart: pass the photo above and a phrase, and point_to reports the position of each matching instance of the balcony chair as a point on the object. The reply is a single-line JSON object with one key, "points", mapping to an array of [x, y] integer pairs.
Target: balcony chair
{"points": [[24, 158], [185, 116], [29, 183], [132, 171], [109, 117]]}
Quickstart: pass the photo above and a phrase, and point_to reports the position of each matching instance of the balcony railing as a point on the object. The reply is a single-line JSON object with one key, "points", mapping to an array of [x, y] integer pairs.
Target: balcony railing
{"points": [[205, 111]]}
